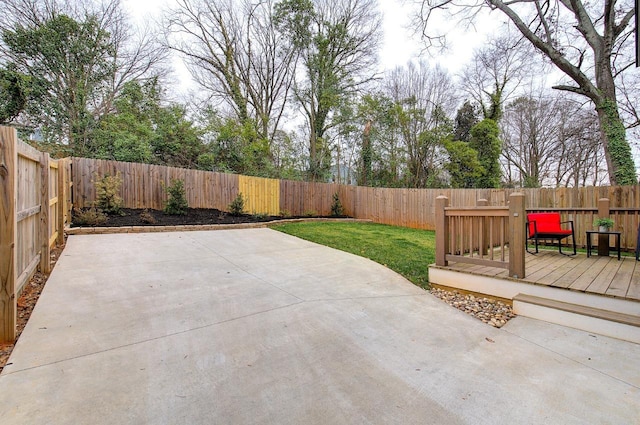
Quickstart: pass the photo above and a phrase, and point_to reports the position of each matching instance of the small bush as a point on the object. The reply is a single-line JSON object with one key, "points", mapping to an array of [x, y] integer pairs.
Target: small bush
{"points": [[236, 207], [89, 217], [177, 198], [107, 189], [259, 216], [310, 213], [147, 218], [285, 214], [337, 210]]}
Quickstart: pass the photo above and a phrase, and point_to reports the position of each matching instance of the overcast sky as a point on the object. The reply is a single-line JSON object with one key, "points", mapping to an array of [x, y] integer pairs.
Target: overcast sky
{"points": [[399, 45]]}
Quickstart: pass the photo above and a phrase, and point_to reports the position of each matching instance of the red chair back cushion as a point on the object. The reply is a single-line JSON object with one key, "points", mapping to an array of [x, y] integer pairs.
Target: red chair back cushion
{"points": [[544, 223]]}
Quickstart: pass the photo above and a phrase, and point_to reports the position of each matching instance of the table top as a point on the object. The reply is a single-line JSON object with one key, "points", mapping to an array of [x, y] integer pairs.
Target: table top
{"points": [[612, 232]]}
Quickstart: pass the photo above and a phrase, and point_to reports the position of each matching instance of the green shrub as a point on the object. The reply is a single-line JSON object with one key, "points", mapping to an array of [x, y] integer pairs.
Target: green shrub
{"points": [[603, 222], [176, 198], [147, 218], [285, 213], [89, 217], [310, 213], [259, 216], [337, 210], [107, 197], [236, 207]]}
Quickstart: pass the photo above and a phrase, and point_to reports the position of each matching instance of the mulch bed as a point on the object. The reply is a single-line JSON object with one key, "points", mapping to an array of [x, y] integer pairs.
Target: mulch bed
{"points": [[193, 216]]}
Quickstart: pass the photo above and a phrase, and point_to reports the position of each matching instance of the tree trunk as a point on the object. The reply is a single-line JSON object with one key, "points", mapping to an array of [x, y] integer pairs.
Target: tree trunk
{"points": [[366, 155], [622, 171]]}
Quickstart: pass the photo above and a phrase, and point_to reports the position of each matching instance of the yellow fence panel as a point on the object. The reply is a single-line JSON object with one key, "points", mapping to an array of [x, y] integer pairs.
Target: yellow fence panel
{"points": [[261, 196]]}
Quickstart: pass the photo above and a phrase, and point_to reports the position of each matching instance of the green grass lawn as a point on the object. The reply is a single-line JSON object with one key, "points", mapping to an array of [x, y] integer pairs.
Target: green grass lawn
{"points": [[405, 251]]}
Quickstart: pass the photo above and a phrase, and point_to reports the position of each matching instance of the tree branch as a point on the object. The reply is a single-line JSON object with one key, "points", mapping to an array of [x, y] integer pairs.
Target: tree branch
{"points": [[618, 29], [587, 87], [571, 89]]}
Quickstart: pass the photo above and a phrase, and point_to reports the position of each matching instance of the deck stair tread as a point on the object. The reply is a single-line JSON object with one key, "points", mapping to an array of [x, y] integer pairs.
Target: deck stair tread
{"points": [[612, 316]]}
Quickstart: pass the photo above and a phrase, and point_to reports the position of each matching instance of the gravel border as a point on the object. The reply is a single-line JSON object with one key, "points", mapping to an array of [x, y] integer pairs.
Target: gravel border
{"points": [[490, 311]]}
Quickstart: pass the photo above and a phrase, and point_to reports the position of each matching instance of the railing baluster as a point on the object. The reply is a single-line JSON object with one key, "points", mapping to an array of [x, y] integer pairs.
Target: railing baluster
{"points": [[470, 220], [502, 242], [492, 231]]}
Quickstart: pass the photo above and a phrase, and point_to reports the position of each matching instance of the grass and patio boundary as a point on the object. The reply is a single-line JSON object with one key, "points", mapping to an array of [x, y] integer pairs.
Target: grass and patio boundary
{"points": [[405, 251]]}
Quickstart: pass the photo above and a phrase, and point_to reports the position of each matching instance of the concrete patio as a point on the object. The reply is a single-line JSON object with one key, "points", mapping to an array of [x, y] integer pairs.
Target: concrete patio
{"points": [[254, 326]]}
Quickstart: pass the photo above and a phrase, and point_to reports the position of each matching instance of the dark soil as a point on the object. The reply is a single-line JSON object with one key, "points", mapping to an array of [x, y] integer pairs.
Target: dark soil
{"points": [[193, 216]]}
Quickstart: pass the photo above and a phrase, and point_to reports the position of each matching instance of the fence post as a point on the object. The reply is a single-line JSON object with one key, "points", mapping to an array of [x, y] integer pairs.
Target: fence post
{"points": [[484, 229], [69, 188], [45, 252], [442, 231], [517, 222], [8, 232], [62, 201], [603, 240]]}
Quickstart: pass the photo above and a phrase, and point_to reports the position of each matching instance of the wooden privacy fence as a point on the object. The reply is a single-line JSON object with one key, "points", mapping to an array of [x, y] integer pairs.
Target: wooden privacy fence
{"points": [[143, 187], [482, 235], [34, 205]]}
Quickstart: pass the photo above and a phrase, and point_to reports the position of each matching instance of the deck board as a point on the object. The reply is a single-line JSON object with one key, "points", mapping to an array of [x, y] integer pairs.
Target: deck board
{"points": [[556, 275], [586, 279], [620, 285], [549, 267], [534, 263], [597, 275], [570, 276], [603, 281], [634, 285]]}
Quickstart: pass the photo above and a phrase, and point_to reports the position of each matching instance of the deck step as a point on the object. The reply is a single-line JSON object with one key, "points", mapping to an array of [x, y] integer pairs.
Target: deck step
{"points": [[604, 322]]}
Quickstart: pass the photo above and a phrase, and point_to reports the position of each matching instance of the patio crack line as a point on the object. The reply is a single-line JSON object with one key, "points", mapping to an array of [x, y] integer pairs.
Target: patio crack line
{"points": [[211, 325], [573, 360], [274, 285], [143, 341]]}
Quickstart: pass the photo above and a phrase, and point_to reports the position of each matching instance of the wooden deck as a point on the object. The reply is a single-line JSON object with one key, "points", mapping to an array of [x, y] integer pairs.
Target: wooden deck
{"points": [[606, 276]]}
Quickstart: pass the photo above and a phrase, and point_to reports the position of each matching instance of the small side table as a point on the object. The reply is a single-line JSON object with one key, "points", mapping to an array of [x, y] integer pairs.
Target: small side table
{"points": [[597, 232]]}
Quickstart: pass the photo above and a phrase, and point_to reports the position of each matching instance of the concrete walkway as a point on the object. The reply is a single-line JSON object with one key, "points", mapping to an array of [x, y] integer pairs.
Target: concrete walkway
{"points": [[257, 327]]}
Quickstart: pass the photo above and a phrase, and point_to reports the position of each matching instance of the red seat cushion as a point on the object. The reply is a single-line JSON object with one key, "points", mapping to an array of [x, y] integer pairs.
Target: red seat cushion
{"points": [[546, 223]]}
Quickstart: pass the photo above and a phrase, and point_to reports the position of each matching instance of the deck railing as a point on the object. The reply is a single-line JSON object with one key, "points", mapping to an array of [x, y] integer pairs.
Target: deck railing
{"points": [[482, 235]]}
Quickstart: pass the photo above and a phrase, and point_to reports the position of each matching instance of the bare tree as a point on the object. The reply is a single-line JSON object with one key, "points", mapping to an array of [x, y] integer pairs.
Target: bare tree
{"points": [[550, 140], [590, 43], [235, 53], [580, 158], [495, 72], [338, 42], [426, 99]]}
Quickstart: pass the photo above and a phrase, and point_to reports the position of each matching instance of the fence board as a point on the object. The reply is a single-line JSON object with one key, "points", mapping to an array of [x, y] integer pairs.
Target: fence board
{"points": [[8, 233], [28, 198], [142, 188], [260, 195], [31, 218], [144, 185]]}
